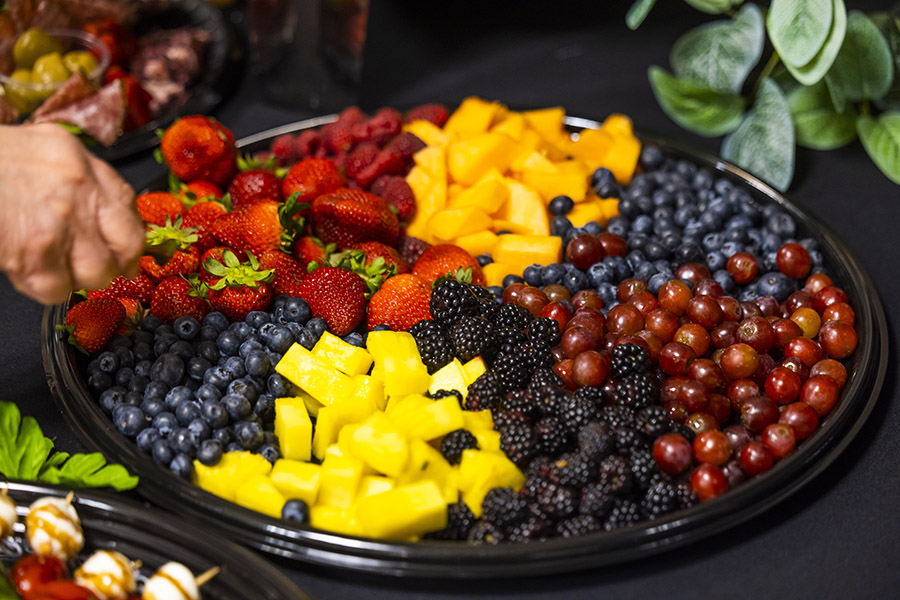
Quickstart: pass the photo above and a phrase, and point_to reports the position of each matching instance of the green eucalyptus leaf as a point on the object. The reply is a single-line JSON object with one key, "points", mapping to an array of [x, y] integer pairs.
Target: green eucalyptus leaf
{"points": [[799, 28], [817, 124], [638, 12], [696, 107], [815, 70], [864, 67], [721, 54], [881, 139], [714, 7], [763, 143]]}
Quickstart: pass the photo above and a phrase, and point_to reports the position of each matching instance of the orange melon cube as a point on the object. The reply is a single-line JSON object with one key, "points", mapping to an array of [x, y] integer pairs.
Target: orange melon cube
{"points": [[495, 272]]}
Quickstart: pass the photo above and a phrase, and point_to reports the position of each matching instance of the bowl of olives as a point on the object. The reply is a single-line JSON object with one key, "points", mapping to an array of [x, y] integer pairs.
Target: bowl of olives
{"points": [[46, 59]]}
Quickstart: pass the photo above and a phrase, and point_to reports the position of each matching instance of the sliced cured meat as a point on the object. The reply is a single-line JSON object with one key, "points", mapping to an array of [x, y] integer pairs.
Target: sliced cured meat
{"points": [[75, 89], [8, 113], [85, 11], [46, 14], [101, 116]]}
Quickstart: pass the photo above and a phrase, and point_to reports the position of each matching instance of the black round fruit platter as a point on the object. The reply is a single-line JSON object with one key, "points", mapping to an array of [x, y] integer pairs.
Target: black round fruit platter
{"points": [[866, 371], [154, 538]]}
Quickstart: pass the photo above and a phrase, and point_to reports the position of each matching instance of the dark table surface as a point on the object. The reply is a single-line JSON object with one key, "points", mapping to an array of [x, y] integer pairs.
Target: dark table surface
{"points": [[838, 536]]}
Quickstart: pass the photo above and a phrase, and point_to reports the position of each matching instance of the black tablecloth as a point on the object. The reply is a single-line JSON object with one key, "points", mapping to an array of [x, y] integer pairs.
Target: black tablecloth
{"points": [[837, 537]]}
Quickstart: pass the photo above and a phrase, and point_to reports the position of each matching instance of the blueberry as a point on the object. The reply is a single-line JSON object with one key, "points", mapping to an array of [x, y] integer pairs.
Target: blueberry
{"points": [[382, 327], [123, 376], [776, 284], [695, 228], [162, 452], [229, 342], [257, 364], [214, 413], [651, 157], [296, 310], [295, 511], [130, 420], [197, 367], [604, 183], [722, 185], [152, 408], [108, 362], [146, 438], [233, 447], [119, 341], [163, 342], [497, 290], [552, 274], [277, 338], [618, 225], [278, 385], [560, 205], [644, 271], [186, 327], [663, 197], [248, 434], [100, 382], [208, 333], [139, 382], [150, 323], [634, 258], [724, 279], [654, 251], [183, 349], [642, 224], [208, 350], [162, 330], [560, 226], [355, 339], [607, 293], [713, 241], [218, 377], [217, 320], [208, 391], [270, 452], [781, 224], [637, 241], [670, 241], [265, 407], [184, 440], [279, 301], [620, 267], [235, 366], [729, 249], [168, 368], [715, 260], [111, 397], [600, 273], [223, 435], [182, 465], [257, 318], [177, 396], [818, 259], [237, 407], [201, 428], [574, 281], [209, 453], [187, 412], [710, 221], [572, 234], [508, 280], [686, 253], [155, 390], [306, 338], [241, 328], [532, 274], [243, 387], [165, 422], [141, 337], [142, 351], [484, 259], [133, 399], [317, 326], [702, 180]]}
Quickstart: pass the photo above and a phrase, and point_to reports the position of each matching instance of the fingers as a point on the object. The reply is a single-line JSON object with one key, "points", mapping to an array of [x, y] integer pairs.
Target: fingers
{"points": [[118, 223], [47, 287]]}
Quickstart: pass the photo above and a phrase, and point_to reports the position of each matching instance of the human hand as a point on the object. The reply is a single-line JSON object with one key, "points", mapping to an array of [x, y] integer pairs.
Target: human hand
{"points": [[67, 220]]}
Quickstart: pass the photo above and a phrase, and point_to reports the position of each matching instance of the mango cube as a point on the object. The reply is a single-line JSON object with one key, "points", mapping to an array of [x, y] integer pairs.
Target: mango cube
{"points": [[525, 250], [223, 478], [347, 358], [293, 428], [495, 272], [469, 159], [434, 160], [339, 479], [296, 480], [474, 369], [480, 242], [622, 157], [428, 132], [430, 421], [586, 212], [397, 358], [260, 494], [482, 470], [334, 519], [489, 194], [451, 223], [473, 116], [525, 207], [546, 121], [381, 444], [404, 511], [321, 381], [451, 376]]}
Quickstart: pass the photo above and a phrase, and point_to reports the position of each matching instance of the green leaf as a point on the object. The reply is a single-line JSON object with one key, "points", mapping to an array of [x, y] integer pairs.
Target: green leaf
{"points": [[714, 7], [721, 54], [881, 139], [89, 470], [798, 28], [863, 68], [696, 107], [638, 12], [817, 124], [763, 144], [815, 70], [890, 29]]}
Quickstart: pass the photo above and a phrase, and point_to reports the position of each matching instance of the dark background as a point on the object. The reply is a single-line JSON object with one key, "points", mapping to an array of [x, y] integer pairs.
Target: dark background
{"points": [[838, 536]]}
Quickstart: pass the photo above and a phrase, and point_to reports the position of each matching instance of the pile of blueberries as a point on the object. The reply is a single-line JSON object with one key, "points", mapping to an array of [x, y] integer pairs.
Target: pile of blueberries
{"points": [[196, 389]]}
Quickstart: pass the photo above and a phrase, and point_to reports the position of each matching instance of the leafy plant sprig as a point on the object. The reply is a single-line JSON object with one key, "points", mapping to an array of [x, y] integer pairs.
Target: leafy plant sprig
{"points": [[832, 76]]}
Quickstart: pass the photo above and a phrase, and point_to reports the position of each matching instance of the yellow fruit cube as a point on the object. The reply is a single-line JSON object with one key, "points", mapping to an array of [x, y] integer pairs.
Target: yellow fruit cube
{"points": [[339, 479], [469, 159], [488, 439], [449, 224], [427, 464], [586, 212], [223, 478], [513, 125], [449, 377], [488, 194], [347, 358], [293, 428], [495, 272], [397, 358], [592, 146], [374, 484], [525, 207], [474, 420], [381, 444], [473, 116], [404, 511], [610, 208], [529, 159], [296, 480], [622, 157], [406, 403], [434, 160], [371, 388], [549, 185], [328, 424], [334, 519], [510, 227], [323, 382], [480, 242], [430, 421], [546, 121], [473, 369], [482, 470], [524, 250], [428, 132], [312, 405], [618, 124], [260, 494]]}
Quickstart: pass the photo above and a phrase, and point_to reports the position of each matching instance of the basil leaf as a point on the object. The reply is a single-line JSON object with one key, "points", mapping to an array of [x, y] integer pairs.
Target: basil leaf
{"points": [[763, 143], [816, 69], [881, 139], [23, 448], [714, 7], [638, 12], [89, 470], [864, 67], [798, 28], [817, 124], [696, 107], [721, 54]]}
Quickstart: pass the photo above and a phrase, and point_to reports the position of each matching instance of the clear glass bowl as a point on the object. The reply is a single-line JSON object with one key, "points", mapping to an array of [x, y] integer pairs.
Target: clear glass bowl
{"points": [[866, 372]]}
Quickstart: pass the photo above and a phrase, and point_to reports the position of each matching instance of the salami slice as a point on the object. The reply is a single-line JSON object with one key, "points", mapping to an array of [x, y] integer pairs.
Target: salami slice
{"points": [[8, 113], [101, 116], [75, 89]]}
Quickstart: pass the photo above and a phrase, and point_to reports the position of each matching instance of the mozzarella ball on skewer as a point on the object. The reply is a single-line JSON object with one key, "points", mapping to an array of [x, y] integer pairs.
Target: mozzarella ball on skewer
{"points": [[108, 574], [52, 527]]}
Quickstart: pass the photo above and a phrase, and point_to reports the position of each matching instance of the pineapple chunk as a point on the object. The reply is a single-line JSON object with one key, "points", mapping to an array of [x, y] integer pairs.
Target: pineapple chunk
{"points": [[432, 421], [347, 358], [296, 480], [334, 519], [380, 444], [260, 494], [488, 439], [323, 382], [375, 484], [482, 470], [397, 358], [427, 464], [404, 511], [451, 376], [475, 420], [328, 425], [474, 369], [406, 403], [339, 479], [293, 428], [223, 478]]}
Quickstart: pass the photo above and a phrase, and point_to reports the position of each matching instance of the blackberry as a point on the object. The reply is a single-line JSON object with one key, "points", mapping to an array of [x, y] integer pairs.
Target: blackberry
{"points": [[623, 514], [507, 418], [521, 401], [433, 343], [503, 507], [485, 532], [534, 485], [685, 494], [595, 501], [511, 373], [553, 437], [593, 393], [576, 412], [519, 443], [644, 469], [459, 523], [617, 416], [513, 316], [573, 470], [556, 501], [544, 377], [628, 439], [540, 467], [440, 394], [452, 300], [628, 359], [534, 356], [544, 331], [455, 442], [660, 499], [484, 393], [474, 336], [653, 421], [510, 339], [636, 391], [614, 475], [595, 440], [551, 399], [578, 525], [534, 528]]}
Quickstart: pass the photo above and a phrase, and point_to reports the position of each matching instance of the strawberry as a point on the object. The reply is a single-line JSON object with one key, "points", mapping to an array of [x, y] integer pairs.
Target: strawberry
{"points": [[435, 113], [311, 249], [156, 207], [259, 227], [401, 302], [183, 262], [405, 145], [174, 244], [199, 217], [176, 296], [373, 271], [360, 158], [90, 324], [384, 163], [336, 295], [347, 216], [411, 248], [446, 259], [139, 288], [252, 187], [196, 147], [197, 191], [398, 194], [374, 250], [311, 178], [241, 288], [288, 272], [216, 253]]}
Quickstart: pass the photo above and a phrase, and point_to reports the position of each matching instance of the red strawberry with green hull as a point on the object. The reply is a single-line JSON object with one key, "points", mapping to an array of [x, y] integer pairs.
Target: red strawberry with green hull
{"points": [[259, 227], [196, 147], [254, 186], [139, 288], [346, 217], [171, 244], [336, 295], [199, 217], [176, 296], [402, 301], [311, 178], [242, 286], [90, 324], [288, 272], [156, 207]]}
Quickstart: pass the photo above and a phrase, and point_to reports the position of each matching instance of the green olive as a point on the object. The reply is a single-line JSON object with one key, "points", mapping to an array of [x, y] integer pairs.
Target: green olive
{"points": [[24, 100], [80, 59], [33, 44], [50, 70]]}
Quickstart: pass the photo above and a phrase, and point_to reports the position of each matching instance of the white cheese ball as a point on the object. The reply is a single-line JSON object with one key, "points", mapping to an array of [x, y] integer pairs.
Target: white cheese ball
{"points": [[8, 515], [108, 574], [173, 581], [53, 528]]}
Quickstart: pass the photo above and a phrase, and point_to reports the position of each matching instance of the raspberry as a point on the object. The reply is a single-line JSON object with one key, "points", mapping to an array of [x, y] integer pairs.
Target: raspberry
{"points": [[398, 194], [593, 393], [384, 163], [644, 469], [535, 527], [440, 394], [459, 522], [617, 416], [509, 339], [360, 158], [411, 248], [285, 149], [476, 336], [628, 359], [384, 125], [309, 144], [434, 345], [434, 113], [337, 136], [557, 501], [404, 145], [544, 377], [455, 442], [627, 439], [503, 507]]}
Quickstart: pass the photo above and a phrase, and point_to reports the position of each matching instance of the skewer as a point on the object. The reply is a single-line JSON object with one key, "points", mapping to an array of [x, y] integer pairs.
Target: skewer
{"points": [[203, 578], [70, 497]]}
